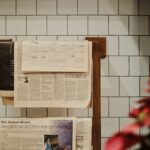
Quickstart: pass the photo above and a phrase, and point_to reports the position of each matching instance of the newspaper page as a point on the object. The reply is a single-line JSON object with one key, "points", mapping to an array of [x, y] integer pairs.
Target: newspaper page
{"points": [[51, 89], [37, 134], [84, 133], [54, 56]]}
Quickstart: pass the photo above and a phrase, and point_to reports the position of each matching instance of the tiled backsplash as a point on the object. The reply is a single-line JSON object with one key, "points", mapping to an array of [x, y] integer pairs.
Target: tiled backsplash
{"points": [[125, 23]]}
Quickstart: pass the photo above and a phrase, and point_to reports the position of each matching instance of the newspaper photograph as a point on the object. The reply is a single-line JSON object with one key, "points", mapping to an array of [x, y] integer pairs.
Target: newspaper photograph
{"points": [[52, 89], [54, 56], [37, 134]]}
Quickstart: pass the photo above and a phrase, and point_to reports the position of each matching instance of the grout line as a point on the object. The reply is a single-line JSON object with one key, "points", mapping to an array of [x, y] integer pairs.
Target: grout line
{"points": [[98, 12], [57, 8], [5, 25], [26, 26], [16, 7], [77, 8]]}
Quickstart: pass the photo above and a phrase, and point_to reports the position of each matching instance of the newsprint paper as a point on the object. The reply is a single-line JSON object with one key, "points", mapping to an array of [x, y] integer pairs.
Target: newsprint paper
{"points": [[55, 56], [44, 134], [51, 89]]}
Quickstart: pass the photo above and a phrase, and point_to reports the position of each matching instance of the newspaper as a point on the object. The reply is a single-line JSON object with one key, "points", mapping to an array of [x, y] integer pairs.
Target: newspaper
{"points": [[51, 89], [84, 132], [55, 56], [39, 134]]}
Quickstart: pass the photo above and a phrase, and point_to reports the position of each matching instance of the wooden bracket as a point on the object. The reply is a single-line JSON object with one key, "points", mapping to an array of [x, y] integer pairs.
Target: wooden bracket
{"points": [[98, 52]]}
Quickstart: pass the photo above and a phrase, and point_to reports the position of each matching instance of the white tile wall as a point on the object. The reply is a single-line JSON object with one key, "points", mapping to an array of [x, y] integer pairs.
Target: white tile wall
{"points": [[89, 8], [104, 107], [77, 25], [36, 25], [128, 7], [129, 45], [118, 25], [98, 25], [139, 66], [129, 86], [144, 45], [109, 126], [27, 7], [67, 7], [125, 24], [57, 25], [2, 25], [46, 7], [110, 86], [112, 45], [108, 7], [143, 86], [118, 66], [7, 7], [144, 7], [122, 110], [16, 25], [138, 25]]}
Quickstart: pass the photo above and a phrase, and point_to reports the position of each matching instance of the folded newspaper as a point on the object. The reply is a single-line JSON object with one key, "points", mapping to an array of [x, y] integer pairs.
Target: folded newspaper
{"points": [[53, 89], [45, 134]]}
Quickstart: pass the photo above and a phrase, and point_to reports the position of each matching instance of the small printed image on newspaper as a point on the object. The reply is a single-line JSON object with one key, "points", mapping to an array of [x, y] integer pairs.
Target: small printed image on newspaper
{"points": [[37, 134], [52, 89]]}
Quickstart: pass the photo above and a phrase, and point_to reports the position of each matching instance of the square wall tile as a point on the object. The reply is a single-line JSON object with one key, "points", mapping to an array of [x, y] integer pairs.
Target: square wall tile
{"points": [[104, 67], [36, 112], [77, 112], [87, 7], [13, 112], [67, 6], [118, 25], [145, 45], [144, 86], [110, 86], [122, 110], [108, 7], [77, 25], [2, 25], [112, 45], [98, 25], [128, 7], [7, 7], [26, 7], [144, 7], [109, 126], [26, 38], [8, 37], [46, 7], [129, 45], [16, 25], [47, 38], [138, 25], [67, 38], [2, 109], [57, 25], [139, 66], [104, 107], [57, 112], [129, 86], [36, 25], [118, 66]]}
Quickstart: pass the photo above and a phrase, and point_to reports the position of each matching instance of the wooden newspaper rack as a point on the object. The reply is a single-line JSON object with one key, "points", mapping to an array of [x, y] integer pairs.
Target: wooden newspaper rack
{"points": [[98, 52]]}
